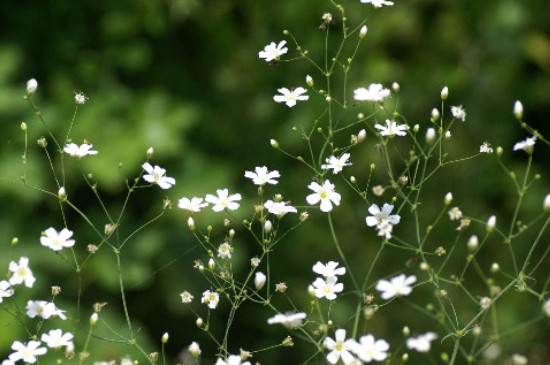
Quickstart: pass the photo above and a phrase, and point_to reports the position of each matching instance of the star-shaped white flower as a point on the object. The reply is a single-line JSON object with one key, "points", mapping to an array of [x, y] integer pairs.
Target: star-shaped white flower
{"points": [[340, 348], [156, 175], [290, 97], [458, 112], [328, 270], [21, 273], [224, 251], [57, 240], [421, 343], [327, 288], [186, 297], [194, 205], [273, 51], [485, 148], [374, 94], [337, 163], [28, 352], [397, 286], [289, 320], [211, 299], [325, 194], [73, 150], [5, 290], [56, 339], [526, 145], [223, 200], [392, 129], [262, 176], [368, 349], [44, 309], [279, 208], [455, 213], [380, 216]]}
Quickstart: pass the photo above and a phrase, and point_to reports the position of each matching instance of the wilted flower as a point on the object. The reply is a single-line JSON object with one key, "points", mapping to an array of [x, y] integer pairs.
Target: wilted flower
{"points": [[485, 148], [526, 145], [80, 98], [186, 297]]}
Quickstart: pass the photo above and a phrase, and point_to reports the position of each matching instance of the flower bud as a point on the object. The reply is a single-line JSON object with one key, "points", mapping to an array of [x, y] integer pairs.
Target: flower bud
{"points": [[435, 115], [149, 152], [430, 135], [352, 179], [363, 32], [416, 128], [473, 243], [406, 331], [23, 126], [495, 267], [361, 135], [444, 93], [109, 229], [395, 87], [32, 85], [274, 143], [199, 322], [56, 290], [518, 110], [448, 198], [211, 264], [62, 194], [448, 135], [191, 223], [309, 81], [546, 203], [268, 226], [14, 241], [259, 280], [194, 349], [405, 357], [165, 337], [255, 262], [491, 223], [93, 319]]}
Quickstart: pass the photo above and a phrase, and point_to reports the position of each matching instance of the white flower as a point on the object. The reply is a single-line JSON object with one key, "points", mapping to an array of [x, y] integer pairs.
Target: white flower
{"points": [[80, 98], [194, 349], [21, 273], [392, 129], [43, 309], [518, 359], [421, 343], [32, 85], [194, 205], [526, 145], [375, 93], [379, 216], [458, 112], [327, 288], [289, 320], [56, 339], [57, 240], [485, 148], [485, 302], [186, 297], [324, 194], [5, 290], [73, 150], [329, 269], [340, 347], [262, 176], [224, 251], [337, 164], [377, 3], [232, 360], [397, 286], [368, 349], [385, 229], [279, 208], [156, 175], [223, 200], [28, 352], [259, 280], [273, 52], [8, 362], [210, 298], [290, 97], [454, 213]]}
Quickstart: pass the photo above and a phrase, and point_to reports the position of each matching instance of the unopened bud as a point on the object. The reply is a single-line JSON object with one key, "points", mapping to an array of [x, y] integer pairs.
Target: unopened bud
{"points": [[363, 32], [150, 152], [259, 280], [546, 203], [268, 226], [444, 93], [361, 135], [435, 115], [165, 337], [352, 179], [405, 357], [309, 81], [416, 128], [395, 87], [448, 135], [518, 110], [62, 194], [199, 322], [14, 241], [430, 135], [194, 349], [491, 223], [495, 267], [448, 198], [23, 126], [191, 223], [211, 264], [32, 85], [406, 331], [473, 243], [93, 319], [274, 143]]}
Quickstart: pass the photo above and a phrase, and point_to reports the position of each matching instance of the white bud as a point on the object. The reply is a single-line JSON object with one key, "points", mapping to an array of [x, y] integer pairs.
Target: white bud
{"points": [[363, 32], [495, 267], [448, 135], [311, 291], [352, 179], [518, 359], [473, 243], [194, 349], [211, 264], [150, 152], [405, 357], [165, 337], [61, 193], [518, 109], [93, 319], [406, 331], [435, 115], [485, 302], [309, 81], [424, 266], [491, 223], [430, 135], [546, 203], [448, 198], [361, 135], [259, 280], [416, 128], [274, 143], [32, 85], [395, 87], [199, 322], [268, 226], [444, 93], [191, 223]]}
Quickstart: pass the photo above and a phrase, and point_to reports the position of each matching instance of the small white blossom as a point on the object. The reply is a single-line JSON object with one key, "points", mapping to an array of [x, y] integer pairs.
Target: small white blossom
{"points": [[378, 3], [374, 94], [210, 298], [430, 135], [458, 112], [21, 273], [73, 150], [380, 216], [327, 288], [262, 176], [526, 145], [223, 200], [339, 347], [454, 214], [57, 240], [421, 343], [385, 230], [194, 349], [28, 353], [289, 320], [56, 339], [279, 208], [32, 85], [392, 129], [273, 51], [259, 280], [80, 98], [324, 194], [337, 163], [5, 290], [328, 270], [43, 309], [156, 175], [397, 286], [290, 97], [192, 205], [485, 148], [186, 297], [224, 251], [368, 349], [232, 360]]}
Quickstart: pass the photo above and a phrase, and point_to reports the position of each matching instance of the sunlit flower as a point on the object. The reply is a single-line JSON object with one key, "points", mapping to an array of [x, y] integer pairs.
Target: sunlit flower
{"points": [[157, 175], [223, 200], [57, 240], [80, 98], [385, 230], [259, 280], [279, 208], [43, 309], [458, 112], [324, 194], [5, 290], [262, 176], [392, 129], [397, 286], [21, 273], [375, 92], [56, 339], [518, 109], [210, 298], [339, 347], [368, 349], [337, 163], [421, 343], [224, 251], [273, 52], [380, 216], [194, 205], [328, 270], [73, 150], [327, 288], [28, 352], [526, 145], [290, 97], [289, 320], [455, 213], [186, 297]]}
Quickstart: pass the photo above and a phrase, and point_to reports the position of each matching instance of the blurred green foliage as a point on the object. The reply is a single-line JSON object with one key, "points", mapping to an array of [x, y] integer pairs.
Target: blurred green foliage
{"points": [[184, 77]]}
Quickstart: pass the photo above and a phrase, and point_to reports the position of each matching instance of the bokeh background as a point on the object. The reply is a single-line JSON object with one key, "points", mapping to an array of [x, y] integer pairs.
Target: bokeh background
{"points": [[184, 77]]}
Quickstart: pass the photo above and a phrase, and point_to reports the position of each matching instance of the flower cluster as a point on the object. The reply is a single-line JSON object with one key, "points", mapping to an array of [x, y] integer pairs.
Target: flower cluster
{"points": [[382, 219], [366, 349], [328, 286]]}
